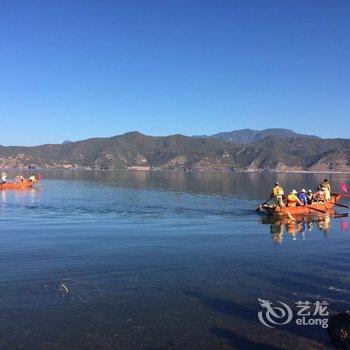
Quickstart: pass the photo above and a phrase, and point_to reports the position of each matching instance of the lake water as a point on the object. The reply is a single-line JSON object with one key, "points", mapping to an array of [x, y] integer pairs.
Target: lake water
{"points": [[162, 260]]}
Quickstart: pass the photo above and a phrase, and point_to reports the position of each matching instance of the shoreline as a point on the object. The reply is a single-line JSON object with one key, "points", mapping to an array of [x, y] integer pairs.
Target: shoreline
{"points": [[239, 171]]}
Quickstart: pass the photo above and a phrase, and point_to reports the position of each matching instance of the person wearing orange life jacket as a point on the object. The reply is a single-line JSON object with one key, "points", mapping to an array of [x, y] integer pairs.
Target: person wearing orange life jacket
{"points": [[293, 200], [277, 193]]}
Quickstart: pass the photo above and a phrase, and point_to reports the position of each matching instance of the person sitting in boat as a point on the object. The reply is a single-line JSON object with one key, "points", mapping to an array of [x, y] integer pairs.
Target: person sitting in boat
{"points": [[277, 192], [303, 197], [3, 178], [293, 200], [17, 179], [21, 179], [32, 178], [319, 196], [310, 197]]}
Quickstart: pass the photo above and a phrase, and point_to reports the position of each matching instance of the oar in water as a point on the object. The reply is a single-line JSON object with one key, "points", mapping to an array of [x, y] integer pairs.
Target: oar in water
{"points": [[336, 216], [289, 215], [321, 211], [341, 205]]}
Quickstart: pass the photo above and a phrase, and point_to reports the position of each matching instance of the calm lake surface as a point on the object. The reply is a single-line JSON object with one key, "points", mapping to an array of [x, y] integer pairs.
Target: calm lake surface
{"points": [[162, 260]]}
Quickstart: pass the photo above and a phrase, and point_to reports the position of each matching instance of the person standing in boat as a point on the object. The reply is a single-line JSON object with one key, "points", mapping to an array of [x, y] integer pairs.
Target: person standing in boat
{"points": [[293, 200], [3, 178], [326, 186], [327, 194], [277, 193]]}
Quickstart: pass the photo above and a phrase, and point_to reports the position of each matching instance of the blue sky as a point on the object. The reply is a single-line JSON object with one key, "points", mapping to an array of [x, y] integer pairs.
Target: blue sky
{"points": [[78, 69]]}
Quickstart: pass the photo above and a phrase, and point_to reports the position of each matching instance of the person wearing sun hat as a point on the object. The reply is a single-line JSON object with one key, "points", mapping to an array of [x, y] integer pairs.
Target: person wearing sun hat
{"points": [[3, 178], [293, 200], [303, 197]]}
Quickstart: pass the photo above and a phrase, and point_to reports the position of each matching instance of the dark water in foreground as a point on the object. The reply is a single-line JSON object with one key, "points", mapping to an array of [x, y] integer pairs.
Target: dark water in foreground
{"points": [[133, 260]]}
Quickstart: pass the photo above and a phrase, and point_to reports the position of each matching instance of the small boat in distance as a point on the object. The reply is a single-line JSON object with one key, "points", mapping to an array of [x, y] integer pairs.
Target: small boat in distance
{"points": [[19, 185], [317, 207]]}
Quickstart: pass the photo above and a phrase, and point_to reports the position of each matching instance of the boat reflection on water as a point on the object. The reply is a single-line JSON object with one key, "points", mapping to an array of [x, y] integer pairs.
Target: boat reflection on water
{"points": [[20, 194], [302, 226]]}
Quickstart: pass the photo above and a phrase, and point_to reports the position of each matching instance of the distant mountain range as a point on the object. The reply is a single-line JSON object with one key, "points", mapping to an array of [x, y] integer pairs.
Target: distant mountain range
{"points": [[248, 136], [247, 150]]}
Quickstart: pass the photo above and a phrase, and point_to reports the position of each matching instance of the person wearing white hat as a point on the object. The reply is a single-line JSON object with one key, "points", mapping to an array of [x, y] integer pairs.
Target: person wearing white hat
{"points": [[303, 197], [3, 178], [293, 200], [32, 178]]}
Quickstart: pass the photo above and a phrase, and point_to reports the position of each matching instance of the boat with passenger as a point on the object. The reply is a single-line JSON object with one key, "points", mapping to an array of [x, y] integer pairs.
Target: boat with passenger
{"points": [[309, 209], [19, 183]]}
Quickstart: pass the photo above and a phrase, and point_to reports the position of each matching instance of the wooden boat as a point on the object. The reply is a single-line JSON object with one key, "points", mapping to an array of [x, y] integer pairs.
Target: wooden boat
{"points": [[15, 186], [312, 209]]}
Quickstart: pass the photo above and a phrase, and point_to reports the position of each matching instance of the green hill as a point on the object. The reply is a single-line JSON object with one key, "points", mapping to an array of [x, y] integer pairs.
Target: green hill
{"points": [[134, 150]]}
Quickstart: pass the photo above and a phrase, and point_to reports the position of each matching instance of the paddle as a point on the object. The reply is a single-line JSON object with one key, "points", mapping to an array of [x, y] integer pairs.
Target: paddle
{"points": [[289, 215], [260, 207], [266, 201], [341, 205], [321, 211], [345, 215]]}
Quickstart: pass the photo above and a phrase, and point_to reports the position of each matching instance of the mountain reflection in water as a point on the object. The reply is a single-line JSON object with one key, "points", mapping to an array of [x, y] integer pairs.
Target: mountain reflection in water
{"points": [[162, 260]]}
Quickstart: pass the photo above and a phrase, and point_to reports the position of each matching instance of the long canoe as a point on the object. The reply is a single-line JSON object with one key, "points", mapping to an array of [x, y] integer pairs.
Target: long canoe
{"points": [[14, 186], [325, 208]]}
